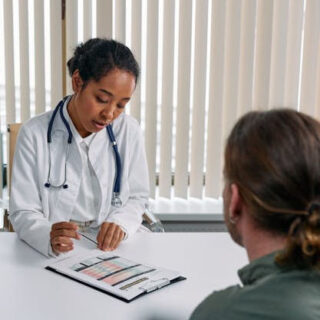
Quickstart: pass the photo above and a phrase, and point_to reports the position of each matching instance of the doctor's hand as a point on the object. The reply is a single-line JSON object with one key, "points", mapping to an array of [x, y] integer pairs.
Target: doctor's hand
{"points": [[61, 235], [109, 236]]}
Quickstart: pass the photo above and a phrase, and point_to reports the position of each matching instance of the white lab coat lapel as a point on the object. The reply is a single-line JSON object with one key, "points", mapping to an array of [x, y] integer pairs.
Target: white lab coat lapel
{"points": [[66, 197]]}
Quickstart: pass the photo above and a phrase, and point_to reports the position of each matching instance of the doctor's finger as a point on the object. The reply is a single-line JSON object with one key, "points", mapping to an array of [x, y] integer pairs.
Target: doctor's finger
{"points": [[61, 241], [62, 248], [100, 236], [64, 225], [117, 237], [103, 230], [65, 232], [121, 237], [109, 236]]}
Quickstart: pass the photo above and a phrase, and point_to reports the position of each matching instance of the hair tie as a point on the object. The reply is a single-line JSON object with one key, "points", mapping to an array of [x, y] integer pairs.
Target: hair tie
{"points": [[314, 206]]}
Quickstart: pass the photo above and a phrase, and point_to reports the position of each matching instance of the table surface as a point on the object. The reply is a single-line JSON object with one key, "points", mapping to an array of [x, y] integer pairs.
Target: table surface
{"points": [[209, 261]]}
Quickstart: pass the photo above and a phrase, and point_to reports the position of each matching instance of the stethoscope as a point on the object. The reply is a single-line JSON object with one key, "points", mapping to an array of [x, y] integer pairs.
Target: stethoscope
{"points": [[116, 201]]}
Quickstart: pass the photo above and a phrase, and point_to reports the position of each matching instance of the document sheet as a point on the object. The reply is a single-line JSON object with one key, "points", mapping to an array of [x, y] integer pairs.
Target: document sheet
{"points": [[115, 275]]}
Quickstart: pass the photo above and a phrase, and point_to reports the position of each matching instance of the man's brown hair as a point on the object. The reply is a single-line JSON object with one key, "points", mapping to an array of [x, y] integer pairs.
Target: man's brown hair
{"points": [[274, 158]]}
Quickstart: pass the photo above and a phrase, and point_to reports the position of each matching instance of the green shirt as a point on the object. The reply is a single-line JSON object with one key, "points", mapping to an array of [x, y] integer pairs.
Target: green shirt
{"points": [[268, 292]]}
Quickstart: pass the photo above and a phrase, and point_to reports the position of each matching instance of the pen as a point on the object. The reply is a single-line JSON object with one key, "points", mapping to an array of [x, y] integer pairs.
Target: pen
{"points": [[88, 238]]}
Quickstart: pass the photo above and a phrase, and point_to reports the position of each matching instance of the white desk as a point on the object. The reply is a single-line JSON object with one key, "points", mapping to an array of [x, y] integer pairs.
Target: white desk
{"points": [[28, 291]]}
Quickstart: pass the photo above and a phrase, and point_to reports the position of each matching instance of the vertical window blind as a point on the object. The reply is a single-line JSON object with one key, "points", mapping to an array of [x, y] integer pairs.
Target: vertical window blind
{"points": [[204, 63]]}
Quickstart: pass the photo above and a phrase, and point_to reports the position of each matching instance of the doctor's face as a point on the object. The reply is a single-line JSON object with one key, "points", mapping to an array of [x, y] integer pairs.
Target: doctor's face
{"points": [[97, 104]]}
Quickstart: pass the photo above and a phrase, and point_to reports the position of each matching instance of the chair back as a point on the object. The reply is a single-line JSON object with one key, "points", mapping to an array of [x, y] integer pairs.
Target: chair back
{"points": [[13, 130]]}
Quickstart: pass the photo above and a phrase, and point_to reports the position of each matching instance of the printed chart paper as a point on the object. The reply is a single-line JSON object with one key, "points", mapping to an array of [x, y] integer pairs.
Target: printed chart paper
{"points": [[115, 275]]}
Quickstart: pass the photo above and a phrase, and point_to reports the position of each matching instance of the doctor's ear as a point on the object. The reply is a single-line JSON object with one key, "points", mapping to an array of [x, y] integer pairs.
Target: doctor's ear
{"points": [[77, 82]]}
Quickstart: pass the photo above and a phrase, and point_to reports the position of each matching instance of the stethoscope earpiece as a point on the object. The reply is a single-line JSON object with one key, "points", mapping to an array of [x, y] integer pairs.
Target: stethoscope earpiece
{"points": [[48, 185]]}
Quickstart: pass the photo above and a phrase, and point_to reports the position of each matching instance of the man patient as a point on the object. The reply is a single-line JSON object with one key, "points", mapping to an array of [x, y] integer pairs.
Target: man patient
{"points": [[272, 209]]}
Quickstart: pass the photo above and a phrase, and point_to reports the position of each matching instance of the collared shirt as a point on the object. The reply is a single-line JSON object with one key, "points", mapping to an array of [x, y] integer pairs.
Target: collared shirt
{"points": [[268, 292], [86, 206], [87, 203]]}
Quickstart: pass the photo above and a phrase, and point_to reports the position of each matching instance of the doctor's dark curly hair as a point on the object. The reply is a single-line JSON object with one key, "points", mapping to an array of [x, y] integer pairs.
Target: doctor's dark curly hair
{"points": [[96, 57]]}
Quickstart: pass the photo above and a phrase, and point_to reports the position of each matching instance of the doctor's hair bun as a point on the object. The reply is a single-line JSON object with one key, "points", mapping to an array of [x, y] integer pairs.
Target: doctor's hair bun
{"points": [[96, 57]]}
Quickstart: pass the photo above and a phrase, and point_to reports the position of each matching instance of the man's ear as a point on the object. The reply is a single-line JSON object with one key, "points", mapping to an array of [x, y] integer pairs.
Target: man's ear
{"points": [[77, 82], [236, 203]]}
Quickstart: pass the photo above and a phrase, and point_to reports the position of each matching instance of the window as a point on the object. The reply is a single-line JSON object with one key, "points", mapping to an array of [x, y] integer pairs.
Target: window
{"points": [[204, 63]]}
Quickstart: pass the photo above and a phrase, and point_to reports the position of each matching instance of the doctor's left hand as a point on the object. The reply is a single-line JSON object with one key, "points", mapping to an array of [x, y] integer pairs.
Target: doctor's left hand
{"points": [[109, 236]]}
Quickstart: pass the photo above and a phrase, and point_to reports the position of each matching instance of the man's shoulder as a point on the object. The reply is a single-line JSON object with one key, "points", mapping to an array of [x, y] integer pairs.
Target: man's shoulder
{"points": [[218, 305], [288, 295]]}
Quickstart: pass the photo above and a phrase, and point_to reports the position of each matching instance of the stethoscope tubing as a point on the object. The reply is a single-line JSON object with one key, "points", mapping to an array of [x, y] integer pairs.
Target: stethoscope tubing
{"points": [[116, 201], [117, 182]]}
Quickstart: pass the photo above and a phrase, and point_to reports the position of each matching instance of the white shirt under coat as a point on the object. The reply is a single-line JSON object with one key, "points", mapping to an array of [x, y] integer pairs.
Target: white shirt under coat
{"points": [[86, 206], [34, 208]]}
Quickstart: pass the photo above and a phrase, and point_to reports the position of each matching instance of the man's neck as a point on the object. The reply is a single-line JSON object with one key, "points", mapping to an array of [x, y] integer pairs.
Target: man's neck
{"points": [[259, 243]]}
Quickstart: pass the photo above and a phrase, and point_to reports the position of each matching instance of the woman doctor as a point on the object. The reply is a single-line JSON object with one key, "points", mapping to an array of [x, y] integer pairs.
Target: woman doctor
{"points": [[66, 167]]}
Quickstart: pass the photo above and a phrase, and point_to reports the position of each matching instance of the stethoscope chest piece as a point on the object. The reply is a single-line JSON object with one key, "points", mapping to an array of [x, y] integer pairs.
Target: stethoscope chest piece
{"points": [[116, 201]]}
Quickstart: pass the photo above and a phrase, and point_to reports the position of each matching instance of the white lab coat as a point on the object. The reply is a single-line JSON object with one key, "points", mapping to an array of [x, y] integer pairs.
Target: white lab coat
{"points": [[34, 208]]}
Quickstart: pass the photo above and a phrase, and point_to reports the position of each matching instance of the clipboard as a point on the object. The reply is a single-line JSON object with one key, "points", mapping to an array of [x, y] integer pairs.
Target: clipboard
{"points": [[115, 276]]}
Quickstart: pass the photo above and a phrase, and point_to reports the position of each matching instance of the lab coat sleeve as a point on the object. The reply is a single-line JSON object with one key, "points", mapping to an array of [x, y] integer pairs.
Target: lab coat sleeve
{"points": [[129, 216], [25, 210]]}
